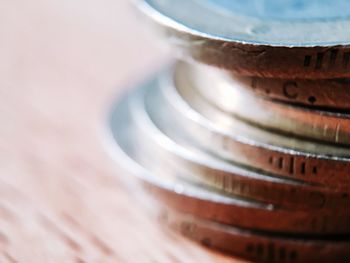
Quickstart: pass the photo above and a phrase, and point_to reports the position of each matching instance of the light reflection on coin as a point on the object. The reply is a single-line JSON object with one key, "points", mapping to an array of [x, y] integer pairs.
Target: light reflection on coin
{"points": [[315, 124]]}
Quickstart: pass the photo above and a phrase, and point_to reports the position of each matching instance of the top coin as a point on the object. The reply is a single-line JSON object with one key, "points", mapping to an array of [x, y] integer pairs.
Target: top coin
{"points": [[268, 38]]}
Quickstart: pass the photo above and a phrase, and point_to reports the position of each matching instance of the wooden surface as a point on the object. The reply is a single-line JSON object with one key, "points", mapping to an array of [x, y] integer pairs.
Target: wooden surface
{"points": [[62, 198]]}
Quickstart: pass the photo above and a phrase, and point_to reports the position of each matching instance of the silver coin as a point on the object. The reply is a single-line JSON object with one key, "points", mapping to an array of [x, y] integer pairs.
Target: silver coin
{"points": [[249, 40], [189, 198]]}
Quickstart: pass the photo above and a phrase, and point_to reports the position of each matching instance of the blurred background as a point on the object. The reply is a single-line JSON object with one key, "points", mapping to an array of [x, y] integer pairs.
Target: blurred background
{"points": [[62, 198]]}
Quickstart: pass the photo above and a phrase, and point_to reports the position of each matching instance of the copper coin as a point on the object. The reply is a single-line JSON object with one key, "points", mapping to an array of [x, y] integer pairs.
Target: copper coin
{"points": [[328, 126], [257, 246], [326, 94], [239, 142]]}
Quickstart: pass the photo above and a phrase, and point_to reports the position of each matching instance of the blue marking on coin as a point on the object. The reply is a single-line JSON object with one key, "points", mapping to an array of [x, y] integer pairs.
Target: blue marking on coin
{"points": [[285, 10]]}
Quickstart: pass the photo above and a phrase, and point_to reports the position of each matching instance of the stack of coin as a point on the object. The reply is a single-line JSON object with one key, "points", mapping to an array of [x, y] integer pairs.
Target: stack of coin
{"points": [[246, 145]]}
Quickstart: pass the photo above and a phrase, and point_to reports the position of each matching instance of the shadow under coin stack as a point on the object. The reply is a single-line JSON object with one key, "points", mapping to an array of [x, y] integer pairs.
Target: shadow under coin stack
{"points": [[246, 145]]}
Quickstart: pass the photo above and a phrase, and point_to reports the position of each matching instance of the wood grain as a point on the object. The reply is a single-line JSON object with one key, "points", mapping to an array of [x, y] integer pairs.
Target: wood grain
{"points": [[62, 198]]}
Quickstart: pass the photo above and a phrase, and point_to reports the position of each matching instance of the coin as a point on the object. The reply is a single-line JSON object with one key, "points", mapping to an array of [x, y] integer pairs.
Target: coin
{"points": [[245, 144], [162, 153], [328, 126], [249, 41], [188, 198], [326, 94], [257, 246]]}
